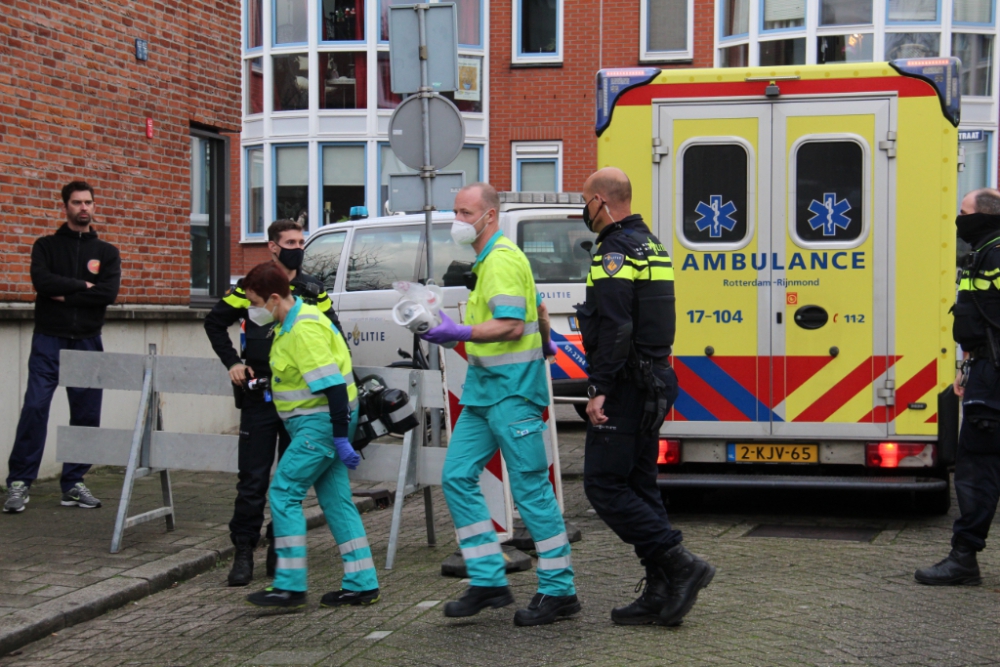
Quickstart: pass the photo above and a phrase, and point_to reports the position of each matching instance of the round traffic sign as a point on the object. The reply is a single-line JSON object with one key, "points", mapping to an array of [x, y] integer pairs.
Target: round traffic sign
{"points": [[406, 132]]}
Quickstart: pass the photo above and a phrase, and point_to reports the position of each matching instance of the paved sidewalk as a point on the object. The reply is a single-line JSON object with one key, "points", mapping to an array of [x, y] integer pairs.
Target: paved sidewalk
{"points": [[56, 569]]}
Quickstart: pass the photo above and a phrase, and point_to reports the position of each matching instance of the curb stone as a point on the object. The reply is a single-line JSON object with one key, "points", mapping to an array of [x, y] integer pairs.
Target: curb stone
{"points": [[29, 625]]}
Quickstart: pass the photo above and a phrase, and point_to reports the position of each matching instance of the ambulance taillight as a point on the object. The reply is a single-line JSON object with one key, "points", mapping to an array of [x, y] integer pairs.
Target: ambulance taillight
{"points": [[899, 455], [670, 452]]}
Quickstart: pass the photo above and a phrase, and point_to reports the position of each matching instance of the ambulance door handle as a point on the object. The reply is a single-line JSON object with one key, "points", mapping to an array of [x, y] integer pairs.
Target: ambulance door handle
{"points": [[778, 315]]}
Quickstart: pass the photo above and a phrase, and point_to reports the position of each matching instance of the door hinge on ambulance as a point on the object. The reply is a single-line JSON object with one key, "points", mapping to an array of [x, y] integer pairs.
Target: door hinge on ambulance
{"points": [[808, 211]]}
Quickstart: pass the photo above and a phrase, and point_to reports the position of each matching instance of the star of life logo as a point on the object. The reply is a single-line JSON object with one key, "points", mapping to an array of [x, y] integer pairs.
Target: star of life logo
{"points": [[829, 214], [715, 216]]}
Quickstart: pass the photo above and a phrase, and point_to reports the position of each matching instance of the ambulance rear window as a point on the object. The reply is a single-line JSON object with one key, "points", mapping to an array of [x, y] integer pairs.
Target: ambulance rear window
{"points": [[715, 194], [829, 183], [558, 250]]}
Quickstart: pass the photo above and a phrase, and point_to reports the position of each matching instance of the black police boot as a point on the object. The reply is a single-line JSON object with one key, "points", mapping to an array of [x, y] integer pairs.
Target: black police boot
{"points": [[477, 598], [241, 573], [645, 610], [276, 597], [545, 609], [686, 575], [272, 555], [958, 569]]}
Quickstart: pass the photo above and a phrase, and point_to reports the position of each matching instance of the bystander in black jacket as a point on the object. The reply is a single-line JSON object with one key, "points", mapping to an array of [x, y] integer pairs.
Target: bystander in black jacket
{"points": [[61, 265]]}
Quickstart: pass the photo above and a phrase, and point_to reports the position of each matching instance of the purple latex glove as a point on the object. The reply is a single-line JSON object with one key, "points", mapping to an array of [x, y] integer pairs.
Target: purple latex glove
{"points": [[550, 348], [346, 453], [447, 331]]}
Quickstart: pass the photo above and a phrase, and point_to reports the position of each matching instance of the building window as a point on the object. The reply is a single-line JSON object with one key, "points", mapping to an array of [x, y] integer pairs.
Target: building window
{"points": [[291, 22], [845, 12], [469, 161], [209, 207], [469, 96], [255, 191], [977, 173], [829, 184], [386, 98], [973, 11], [291, 192], [290, 80], [784, 14], [538, 31], [470, 22], [343, 178], [537, 166], [735, 17], [911, 11], [342, 21], [735, 56], [912, 45], [783, 52], [253, 85], [715, 194], [976, 54], [667, 29], [844, 48], [343, 78], [255, 24]]}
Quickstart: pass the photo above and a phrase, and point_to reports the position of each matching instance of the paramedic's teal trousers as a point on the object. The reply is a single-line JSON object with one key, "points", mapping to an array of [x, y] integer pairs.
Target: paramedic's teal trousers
{"points": [[310, 460], [515, 426]]}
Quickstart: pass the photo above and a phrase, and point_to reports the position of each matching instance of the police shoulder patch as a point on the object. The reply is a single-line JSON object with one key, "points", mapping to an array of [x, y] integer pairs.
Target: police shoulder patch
{"points": [[613, 262]]}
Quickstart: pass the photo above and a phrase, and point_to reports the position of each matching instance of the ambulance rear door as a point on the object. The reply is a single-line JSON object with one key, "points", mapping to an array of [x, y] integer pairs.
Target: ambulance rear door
{"points": [[830, 288]]}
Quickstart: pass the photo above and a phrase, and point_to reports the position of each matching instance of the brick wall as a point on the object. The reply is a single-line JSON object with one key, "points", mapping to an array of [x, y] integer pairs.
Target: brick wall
{"points": [[73, 105], [557, 103]]}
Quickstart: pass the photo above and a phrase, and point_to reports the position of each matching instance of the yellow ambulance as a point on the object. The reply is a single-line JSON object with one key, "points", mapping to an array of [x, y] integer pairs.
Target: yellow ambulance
{"points": [[809, 212]]}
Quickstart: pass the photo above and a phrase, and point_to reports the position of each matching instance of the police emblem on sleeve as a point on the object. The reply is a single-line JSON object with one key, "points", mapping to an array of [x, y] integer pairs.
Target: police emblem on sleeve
{"points": [[613, 262]]}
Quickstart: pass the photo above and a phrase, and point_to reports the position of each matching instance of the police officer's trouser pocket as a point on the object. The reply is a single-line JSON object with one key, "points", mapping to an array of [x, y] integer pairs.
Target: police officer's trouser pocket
{"points": [[609, 454], [526, 450]]}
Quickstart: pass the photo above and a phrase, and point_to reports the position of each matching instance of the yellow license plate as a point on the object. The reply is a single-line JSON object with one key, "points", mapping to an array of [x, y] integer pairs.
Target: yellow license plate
{"points": [[738, 452]]}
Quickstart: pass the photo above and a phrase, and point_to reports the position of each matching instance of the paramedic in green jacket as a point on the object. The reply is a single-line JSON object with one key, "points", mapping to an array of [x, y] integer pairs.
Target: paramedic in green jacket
{"points": [[505, 392], [315, 396]]}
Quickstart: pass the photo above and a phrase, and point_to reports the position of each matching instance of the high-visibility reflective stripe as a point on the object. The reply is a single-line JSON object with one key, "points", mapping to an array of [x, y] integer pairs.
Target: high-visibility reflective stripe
{"points": [[507, 300], [473, 529], [349, 377], [307, 316], [301, 412], [237, 300], [552, 543], [321, 372], [554, 563], [291, 563], [508, 358], [353, 545], [401, 413], [289, 541], [358, 565], [530, 328], [295, 395], [468, 553]]}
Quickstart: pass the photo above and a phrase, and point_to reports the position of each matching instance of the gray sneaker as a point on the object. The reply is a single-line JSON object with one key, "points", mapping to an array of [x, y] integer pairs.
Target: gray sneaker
{"points": [[80, 496], [17, 497]]}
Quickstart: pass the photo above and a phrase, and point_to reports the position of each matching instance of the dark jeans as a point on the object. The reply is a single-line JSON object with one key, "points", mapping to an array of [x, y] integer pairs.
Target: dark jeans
{"points": [[261, 432], [977, 484], [32, 427], [619, 474]]}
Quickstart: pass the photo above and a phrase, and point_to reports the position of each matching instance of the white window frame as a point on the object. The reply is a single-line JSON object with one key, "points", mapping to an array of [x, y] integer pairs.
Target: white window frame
{"points": [[536, 151], [648, 55], [519, 58]]}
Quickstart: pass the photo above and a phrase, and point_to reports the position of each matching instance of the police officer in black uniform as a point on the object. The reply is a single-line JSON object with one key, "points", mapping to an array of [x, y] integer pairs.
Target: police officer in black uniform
{"points": [[628, 327], [260, 426], [977, 330]]}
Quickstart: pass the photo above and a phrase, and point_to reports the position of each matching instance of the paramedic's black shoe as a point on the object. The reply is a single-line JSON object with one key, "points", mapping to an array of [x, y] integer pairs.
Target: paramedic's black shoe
{"points": [[354, 598], [241, 573], [275, 597], [477, 598], [958, 569], [645, 610], [546, 609], [686, 575]]}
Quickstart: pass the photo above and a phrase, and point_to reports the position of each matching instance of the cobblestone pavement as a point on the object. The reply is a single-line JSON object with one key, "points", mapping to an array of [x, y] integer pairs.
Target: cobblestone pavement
{"points": [[774, 601]]}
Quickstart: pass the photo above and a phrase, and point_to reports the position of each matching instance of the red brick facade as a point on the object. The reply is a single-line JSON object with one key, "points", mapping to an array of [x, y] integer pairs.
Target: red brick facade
{"points": [[557, 102], [73, 105]]}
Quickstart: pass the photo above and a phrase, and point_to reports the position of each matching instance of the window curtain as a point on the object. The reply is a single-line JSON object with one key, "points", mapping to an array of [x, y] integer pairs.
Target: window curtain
{"points": [[468, 22]]}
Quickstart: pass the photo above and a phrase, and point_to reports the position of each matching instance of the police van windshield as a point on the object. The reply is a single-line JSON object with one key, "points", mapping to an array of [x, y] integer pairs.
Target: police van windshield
{"points": [[558, 250]]}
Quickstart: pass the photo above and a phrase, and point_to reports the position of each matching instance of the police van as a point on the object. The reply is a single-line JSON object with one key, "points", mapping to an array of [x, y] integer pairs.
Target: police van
{"points": [[809, 212], [359, 260]]}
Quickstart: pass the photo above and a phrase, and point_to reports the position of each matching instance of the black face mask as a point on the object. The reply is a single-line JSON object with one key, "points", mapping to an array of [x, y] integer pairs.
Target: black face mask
{"points": [[291, 258], [974, 227], [587, 220]]}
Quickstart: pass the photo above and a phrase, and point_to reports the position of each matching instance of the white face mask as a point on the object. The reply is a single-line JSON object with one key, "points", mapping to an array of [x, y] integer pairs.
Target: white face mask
{"points": [[260, 315], [464, 233]]}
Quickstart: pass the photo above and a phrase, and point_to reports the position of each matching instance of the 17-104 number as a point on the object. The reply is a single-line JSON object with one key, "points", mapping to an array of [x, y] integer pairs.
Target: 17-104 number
{"points": [[719, 316]]}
